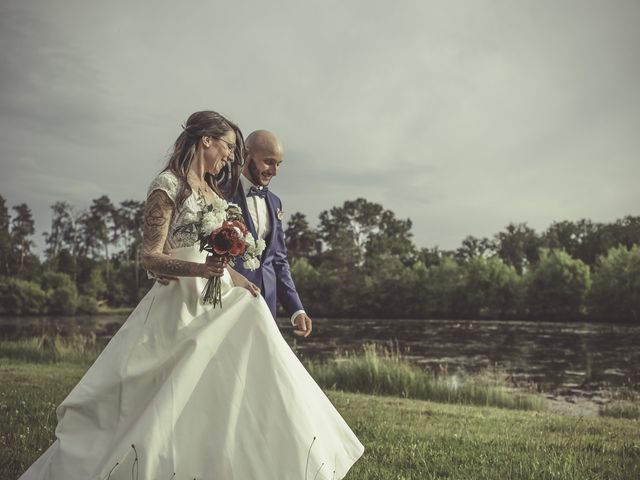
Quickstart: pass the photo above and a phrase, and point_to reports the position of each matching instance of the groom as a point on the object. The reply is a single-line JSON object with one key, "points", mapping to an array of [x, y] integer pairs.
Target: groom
{"points": [[262, 211]]}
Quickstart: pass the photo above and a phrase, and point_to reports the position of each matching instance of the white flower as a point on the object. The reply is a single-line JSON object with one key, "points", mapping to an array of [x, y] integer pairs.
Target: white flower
{"points": [[252, 264], [211, 221], [249, 240], [254, 248], [219, 205]]}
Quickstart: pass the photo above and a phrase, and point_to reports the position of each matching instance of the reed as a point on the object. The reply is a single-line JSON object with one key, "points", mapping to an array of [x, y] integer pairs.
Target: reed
{"points": [[376, 369], [621, 409], [52, 349], [382, 371]]}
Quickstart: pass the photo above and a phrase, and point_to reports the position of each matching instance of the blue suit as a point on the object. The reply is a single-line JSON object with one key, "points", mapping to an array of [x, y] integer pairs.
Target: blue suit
{"points": [[273, 277]]}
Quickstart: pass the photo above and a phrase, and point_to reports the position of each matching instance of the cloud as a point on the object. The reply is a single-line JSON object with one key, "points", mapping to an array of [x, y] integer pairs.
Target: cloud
{"points": [[461, 116]]}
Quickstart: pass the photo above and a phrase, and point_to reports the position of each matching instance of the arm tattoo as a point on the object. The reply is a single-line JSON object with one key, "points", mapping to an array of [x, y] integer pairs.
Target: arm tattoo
{"points": [[157, 219]]}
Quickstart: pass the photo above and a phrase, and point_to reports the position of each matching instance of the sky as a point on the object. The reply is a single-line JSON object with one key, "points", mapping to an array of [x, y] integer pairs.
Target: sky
{"points": [[462, 116]]}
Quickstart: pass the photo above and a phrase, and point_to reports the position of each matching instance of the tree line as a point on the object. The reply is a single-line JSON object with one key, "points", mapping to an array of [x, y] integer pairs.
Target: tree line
{"points": [[360, 261], [91, 258]]}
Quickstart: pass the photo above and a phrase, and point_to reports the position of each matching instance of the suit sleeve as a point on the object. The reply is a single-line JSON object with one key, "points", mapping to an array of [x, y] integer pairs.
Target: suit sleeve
{"points": [[287, 293]]}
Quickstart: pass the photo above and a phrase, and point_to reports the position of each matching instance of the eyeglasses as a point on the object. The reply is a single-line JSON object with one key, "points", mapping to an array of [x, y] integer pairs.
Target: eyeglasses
{"points": [[232, 148]]}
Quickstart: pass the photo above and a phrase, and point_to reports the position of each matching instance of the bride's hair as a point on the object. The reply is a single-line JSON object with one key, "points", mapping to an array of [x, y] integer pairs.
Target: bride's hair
{"points": [[205, 124]]}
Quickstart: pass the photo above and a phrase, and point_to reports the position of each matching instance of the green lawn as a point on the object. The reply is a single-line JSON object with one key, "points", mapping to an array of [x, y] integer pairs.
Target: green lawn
{"points": [[404, 439]]}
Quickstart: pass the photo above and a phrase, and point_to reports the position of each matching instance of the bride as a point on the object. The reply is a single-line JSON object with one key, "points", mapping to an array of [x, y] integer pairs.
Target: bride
{"points": [[188, 391]]}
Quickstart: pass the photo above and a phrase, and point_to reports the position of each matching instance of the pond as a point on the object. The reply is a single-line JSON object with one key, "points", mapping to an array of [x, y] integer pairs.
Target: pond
{"points": [[554, 356]]}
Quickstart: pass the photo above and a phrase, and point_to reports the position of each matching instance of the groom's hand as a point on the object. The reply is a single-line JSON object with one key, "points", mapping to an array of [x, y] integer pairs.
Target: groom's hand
{"points": [[303, 325]]}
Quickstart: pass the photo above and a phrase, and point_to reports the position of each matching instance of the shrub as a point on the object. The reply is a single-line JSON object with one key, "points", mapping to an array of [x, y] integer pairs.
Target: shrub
{"points": [[491, 288], [87, 305], [21, 297], [442, 288], [615, 293], [557, 286], [62, 295]]}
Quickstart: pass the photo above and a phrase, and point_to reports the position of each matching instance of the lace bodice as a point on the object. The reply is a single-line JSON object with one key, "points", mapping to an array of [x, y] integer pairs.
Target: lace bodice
{"points": [[183, 215]]}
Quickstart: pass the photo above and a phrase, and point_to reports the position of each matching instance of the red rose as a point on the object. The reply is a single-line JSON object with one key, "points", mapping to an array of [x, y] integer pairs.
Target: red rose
{"points": [[227, 240], [241, 226]]}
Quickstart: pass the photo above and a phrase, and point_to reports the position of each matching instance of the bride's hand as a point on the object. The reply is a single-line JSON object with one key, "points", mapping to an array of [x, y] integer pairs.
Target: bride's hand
{"points": [[244, 283], [213, 267]]}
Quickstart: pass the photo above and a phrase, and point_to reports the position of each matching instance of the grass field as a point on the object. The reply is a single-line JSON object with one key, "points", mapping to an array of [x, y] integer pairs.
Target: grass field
{"points": [[404, 439]]}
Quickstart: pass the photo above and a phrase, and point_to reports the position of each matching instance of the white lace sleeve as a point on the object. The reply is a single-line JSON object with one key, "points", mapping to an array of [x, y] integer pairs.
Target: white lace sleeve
{"points": [[167, 182]]}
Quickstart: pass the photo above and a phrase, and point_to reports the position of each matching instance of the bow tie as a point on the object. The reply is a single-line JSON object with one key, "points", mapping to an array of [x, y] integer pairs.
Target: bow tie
{"points": [[257, 192]]}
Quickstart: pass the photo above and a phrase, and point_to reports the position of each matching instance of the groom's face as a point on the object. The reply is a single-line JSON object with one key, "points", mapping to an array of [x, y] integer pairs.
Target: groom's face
{"points": [[262, 165]]}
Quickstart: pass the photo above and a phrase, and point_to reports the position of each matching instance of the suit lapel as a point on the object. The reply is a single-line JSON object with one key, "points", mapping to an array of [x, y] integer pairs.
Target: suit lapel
{"points": [[242, 201], [272, 220]]}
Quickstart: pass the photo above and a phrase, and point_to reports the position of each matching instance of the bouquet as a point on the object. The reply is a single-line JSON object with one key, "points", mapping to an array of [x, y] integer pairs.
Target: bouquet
{"points": [[222, 232]]}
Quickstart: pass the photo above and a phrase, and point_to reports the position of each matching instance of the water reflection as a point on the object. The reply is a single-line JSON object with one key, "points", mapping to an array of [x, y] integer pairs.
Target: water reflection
{"points": [[553, 355]]}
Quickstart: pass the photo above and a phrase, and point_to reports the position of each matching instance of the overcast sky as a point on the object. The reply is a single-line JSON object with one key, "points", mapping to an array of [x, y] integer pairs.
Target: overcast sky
{"points": [[463, 116]]}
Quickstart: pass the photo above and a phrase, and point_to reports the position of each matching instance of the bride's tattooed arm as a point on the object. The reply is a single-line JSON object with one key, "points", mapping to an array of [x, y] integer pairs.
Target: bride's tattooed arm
{"points": [[157, 218]]}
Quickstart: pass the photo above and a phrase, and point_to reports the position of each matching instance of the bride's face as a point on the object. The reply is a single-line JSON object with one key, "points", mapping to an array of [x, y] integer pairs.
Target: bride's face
{"points": [[218, 152]]}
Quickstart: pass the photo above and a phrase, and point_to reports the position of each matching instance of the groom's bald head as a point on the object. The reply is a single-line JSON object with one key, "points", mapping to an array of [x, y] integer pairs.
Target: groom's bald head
{"points": [[263, 156], [263, 140]]}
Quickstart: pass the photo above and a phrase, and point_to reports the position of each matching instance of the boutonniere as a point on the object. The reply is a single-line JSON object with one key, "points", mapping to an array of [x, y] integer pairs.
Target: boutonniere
{"points": [[279, 214]]}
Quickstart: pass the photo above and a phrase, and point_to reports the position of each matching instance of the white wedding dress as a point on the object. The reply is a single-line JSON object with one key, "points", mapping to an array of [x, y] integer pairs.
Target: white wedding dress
{"points": [[205, 393]]}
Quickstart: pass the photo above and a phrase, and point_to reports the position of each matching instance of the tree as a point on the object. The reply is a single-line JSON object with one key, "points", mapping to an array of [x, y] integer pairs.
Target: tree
{"points": [[22, 228], [300, 239], [563, 235], [75, 241], [433, 256], [5, 238], [391, 239], [615, 291], [473, 247], [557, 286], [344, 231], [4, 215], [66, 242], [361, 230], [55, 240], [128, 224], [99, 229], [626, 231], [583, 239], [518, 246]]}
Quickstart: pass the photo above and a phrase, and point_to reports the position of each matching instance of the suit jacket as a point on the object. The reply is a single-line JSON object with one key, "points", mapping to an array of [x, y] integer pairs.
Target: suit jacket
{"points": [[273, 277]]}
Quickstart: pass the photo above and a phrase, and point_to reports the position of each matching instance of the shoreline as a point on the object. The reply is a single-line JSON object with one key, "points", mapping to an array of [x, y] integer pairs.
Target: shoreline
{"points": [[126, 311]]}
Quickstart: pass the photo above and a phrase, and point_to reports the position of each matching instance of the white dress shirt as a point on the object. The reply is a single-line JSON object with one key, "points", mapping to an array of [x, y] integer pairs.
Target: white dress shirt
{"points": [[257, 209], [260, 217]]}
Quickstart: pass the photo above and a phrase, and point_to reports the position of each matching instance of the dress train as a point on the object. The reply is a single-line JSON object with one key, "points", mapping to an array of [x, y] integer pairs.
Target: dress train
{"points": [[205, 393]]}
